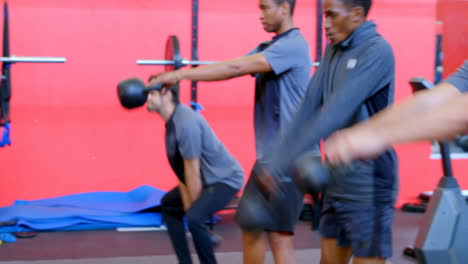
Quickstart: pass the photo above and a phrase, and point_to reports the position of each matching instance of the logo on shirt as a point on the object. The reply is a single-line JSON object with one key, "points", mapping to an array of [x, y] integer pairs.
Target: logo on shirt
{"points": [[351, 64]]}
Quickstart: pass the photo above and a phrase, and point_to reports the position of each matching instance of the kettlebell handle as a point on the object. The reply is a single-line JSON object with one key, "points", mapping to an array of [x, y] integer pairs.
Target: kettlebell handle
{"points": [[153, 87]]}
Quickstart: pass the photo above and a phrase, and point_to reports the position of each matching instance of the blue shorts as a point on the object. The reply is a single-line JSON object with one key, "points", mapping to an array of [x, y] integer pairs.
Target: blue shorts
{"points": [[366, 229]]}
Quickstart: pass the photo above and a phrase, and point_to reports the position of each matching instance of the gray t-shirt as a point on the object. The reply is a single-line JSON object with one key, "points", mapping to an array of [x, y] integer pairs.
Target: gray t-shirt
{"points": [[460, 78], [188, 136], [278, 94]]}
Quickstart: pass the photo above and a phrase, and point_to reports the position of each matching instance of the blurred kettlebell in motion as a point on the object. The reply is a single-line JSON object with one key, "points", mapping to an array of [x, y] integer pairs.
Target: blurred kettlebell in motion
{"points": [[311, 175]]}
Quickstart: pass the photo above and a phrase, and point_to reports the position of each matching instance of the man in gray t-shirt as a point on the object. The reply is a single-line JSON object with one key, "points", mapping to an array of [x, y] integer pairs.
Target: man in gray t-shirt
{"points": [[281, 68], [435, 114], [279, 93], [209, 176]]}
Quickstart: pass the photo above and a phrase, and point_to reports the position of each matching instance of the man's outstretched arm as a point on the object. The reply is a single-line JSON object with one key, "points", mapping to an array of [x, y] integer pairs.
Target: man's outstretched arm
{"points": [[438, 114], [442, 122], [256, 63]]}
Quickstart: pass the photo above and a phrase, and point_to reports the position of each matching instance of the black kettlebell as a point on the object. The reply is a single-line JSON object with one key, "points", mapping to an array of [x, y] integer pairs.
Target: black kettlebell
{"points": [[310, 174], [253, 212], [133, 92]]}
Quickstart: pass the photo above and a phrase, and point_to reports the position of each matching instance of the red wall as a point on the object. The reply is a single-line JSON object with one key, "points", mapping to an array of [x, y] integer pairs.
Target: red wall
{"points": [[453, 15], [69, 133]]}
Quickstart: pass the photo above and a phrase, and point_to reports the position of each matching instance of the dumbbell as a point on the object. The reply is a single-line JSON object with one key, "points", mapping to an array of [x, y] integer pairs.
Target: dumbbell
{"points": [[310, 174], [133, 92]]}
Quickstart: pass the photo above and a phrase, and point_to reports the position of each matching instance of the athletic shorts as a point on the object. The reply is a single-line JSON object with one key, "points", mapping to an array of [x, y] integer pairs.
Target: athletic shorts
{"points": [[366, 229]]}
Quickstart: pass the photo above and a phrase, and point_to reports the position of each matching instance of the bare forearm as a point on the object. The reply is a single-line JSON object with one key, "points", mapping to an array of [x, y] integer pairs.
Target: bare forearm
{"points": [[193, 180], [420, 102], [226, 69], [194, 191], [185, 197], [438, 123], [438, 114], [215, 72]]}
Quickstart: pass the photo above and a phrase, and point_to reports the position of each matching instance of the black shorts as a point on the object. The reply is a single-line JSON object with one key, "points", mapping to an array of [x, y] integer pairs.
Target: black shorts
{"points": [[367, 229], [284, 209]]}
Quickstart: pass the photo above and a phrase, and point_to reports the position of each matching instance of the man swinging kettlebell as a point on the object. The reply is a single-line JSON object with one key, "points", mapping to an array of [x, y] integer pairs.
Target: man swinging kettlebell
{"points": [[209, 177]]}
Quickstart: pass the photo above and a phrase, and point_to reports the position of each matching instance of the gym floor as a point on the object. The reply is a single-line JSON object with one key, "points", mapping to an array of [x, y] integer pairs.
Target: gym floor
{"points": [[110, 246]]}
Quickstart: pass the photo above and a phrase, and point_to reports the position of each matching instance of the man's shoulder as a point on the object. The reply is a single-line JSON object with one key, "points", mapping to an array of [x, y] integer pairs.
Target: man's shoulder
{"points": [[378, 42], [377, 47], [294, 38], [459, 79], [185, 116], [298, 36], [296, 33], [464, 67]]}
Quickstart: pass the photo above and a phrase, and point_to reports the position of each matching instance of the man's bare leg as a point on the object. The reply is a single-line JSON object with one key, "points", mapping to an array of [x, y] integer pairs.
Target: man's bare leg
{"points": [[282, 247], [254, 247]]}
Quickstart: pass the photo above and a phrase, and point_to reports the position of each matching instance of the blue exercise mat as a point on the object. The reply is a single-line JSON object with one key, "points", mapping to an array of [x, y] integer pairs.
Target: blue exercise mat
{"points": [[139, 199], [79, 223], [83, 211]]}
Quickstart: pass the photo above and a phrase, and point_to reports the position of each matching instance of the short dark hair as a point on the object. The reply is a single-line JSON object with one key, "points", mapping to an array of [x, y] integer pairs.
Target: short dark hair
{"points": [[175, 93], [365, 4], [291, 3]]}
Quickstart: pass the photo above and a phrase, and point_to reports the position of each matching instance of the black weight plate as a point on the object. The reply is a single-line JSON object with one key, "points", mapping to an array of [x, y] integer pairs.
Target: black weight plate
{"points": [[173, 53]]}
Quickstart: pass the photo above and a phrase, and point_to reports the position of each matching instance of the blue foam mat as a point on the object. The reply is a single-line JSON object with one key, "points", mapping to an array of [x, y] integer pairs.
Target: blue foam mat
{"points": [[139, 199], [94, 210]]}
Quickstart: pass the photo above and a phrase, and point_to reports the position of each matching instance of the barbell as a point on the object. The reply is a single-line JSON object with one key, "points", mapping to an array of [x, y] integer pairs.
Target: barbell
{"points": [[15, 59], [173, 59]]}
